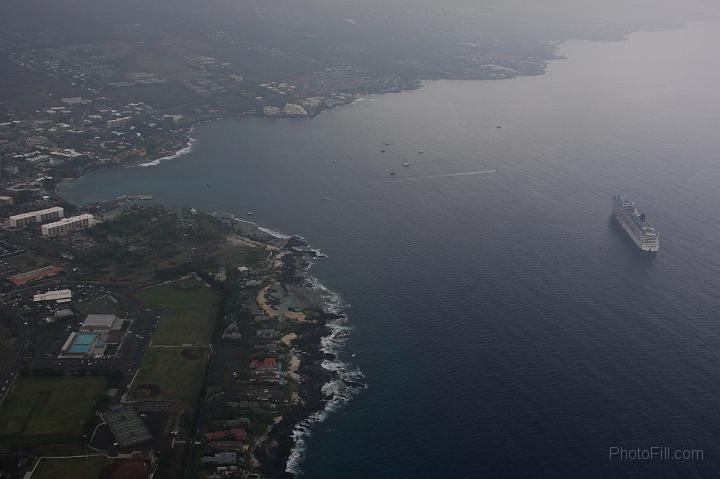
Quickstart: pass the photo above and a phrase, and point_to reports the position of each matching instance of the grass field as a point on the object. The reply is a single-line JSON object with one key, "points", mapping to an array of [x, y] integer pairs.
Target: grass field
{"points": [[171, 374], [189, 311], [74, 468], [185, 326], [41, 410], [240, 255], [101, 305], [188, 293]]}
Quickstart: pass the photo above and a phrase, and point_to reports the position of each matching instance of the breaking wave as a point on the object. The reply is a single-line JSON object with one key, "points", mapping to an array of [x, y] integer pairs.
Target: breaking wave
{"points": [[187, 150], [347, 380], [275, 233]]}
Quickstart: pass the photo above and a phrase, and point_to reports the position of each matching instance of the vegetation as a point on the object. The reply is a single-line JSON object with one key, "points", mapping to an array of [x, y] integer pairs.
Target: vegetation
{"points": [[185, 327], [189, 311], [100, 305], [49, 409], [73, 468], [154, 243], [188, 293], [169, 374]]}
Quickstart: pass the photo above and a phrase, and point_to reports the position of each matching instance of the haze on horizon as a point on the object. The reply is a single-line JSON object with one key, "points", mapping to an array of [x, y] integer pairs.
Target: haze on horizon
{"points": [[507, 19]]}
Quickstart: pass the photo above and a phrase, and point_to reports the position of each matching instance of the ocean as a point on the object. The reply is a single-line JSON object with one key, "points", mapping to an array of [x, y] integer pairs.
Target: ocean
{"points": [[505, 325]]}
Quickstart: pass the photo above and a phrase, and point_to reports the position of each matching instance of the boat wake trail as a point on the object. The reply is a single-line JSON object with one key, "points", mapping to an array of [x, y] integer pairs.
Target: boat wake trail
{"points": [[466, 173], [399, 179]]}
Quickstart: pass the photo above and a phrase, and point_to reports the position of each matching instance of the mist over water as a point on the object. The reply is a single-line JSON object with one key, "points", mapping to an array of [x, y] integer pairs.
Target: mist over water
{"points": [[505, 326]]}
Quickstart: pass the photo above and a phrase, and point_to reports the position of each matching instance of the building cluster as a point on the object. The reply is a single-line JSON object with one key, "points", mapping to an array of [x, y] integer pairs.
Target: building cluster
{"points": [[257, 389], [70, 140], [52, 228], [68, 225], [45, 272], [96, 333], [41, 216], [59, 296], [225, 445], [289, 110]]}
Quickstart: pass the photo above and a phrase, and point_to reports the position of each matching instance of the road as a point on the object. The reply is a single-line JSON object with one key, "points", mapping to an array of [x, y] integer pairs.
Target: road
{"points": [[9, 369]]}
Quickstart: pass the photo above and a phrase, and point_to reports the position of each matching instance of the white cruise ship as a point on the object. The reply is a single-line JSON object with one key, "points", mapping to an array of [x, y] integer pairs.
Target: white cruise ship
{"points": [[635, 225]]}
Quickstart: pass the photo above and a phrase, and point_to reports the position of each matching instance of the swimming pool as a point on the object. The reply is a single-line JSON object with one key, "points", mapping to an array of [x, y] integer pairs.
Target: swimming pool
{"points": [[84, 339]]}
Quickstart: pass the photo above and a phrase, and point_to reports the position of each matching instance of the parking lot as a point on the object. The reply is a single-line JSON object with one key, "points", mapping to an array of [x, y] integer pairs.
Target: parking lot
{"points": [[42, 333]]}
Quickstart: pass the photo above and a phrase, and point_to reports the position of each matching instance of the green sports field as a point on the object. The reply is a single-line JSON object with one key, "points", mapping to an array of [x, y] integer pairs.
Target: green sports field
{"points": [[44, 410], [188, 312], [73, 468], [171, 374], [188, 293]]}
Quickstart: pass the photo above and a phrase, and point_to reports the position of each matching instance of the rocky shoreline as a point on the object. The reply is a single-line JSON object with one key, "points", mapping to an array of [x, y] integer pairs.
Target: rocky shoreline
{"points": [[309, 345], [274, 452]]}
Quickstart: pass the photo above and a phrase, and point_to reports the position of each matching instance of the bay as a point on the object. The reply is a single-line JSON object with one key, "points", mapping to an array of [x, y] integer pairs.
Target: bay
{"points": [[506, 327]]}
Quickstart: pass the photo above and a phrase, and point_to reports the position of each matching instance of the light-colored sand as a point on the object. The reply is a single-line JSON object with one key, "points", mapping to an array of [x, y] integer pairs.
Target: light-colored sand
{"points": [[240, 241], [274, 313], [293, 367], [288, 338], [295, 316], [263, 304]]}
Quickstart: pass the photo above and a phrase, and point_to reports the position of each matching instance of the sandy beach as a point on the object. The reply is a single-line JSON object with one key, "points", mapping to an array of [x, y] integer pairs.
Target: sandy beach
{"points": [[269, 310]]}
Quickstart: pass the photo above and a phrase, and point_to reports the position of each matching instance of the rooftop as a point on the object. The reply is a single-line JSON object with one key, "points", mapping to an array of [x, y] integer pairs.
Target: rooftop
{"points": [[127, 427], [100, 320]]}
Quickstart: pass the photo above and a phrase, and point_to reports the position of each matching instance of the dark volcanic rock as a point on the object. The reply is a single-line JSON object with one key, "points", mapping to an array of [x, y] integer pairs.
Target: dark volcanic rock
{"points": [[275, 451]]}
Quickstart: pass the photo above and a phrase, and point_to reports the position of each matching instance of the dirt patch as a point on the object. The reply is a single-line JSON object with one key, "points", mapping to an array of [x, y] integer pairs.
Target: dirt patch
{"points": [[192, 354]]}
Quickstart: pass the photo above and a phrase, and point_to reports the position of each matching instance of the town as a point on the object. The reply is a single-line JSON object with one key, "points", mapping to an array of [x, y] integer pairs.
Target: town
{"points": [[122, 93], [125, 355], [92, 114], [140, 340]]}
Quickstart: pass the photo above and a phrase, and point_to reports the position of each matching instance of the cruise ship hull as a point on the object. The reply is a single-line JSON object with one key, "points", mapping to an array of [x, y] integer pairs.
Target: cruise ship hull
{"points": [[637, 228], [623, 224]]}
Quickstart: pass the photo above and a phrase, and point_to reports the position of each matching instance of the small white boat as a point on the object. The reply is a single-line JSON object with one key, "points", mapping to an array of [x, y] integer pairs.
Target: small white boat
{"points": [[249, 213]]}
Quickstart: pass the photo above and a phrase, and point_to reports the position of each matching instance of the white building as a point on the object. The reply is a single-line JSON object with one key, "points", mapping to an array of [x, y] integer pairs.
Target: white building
{"points": [[67, 225], [61, 296], [292, 109], [100, 322], [118, 122], [41, 216], [72, 100]]}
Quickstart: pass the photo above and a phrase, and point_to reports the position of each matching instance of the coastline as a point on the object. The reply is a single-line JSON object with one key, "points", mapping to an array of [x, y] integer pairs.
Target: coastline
{"points": [[553, 53], [414, 85], [286, 440], [182, 152], [325, 381]]}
